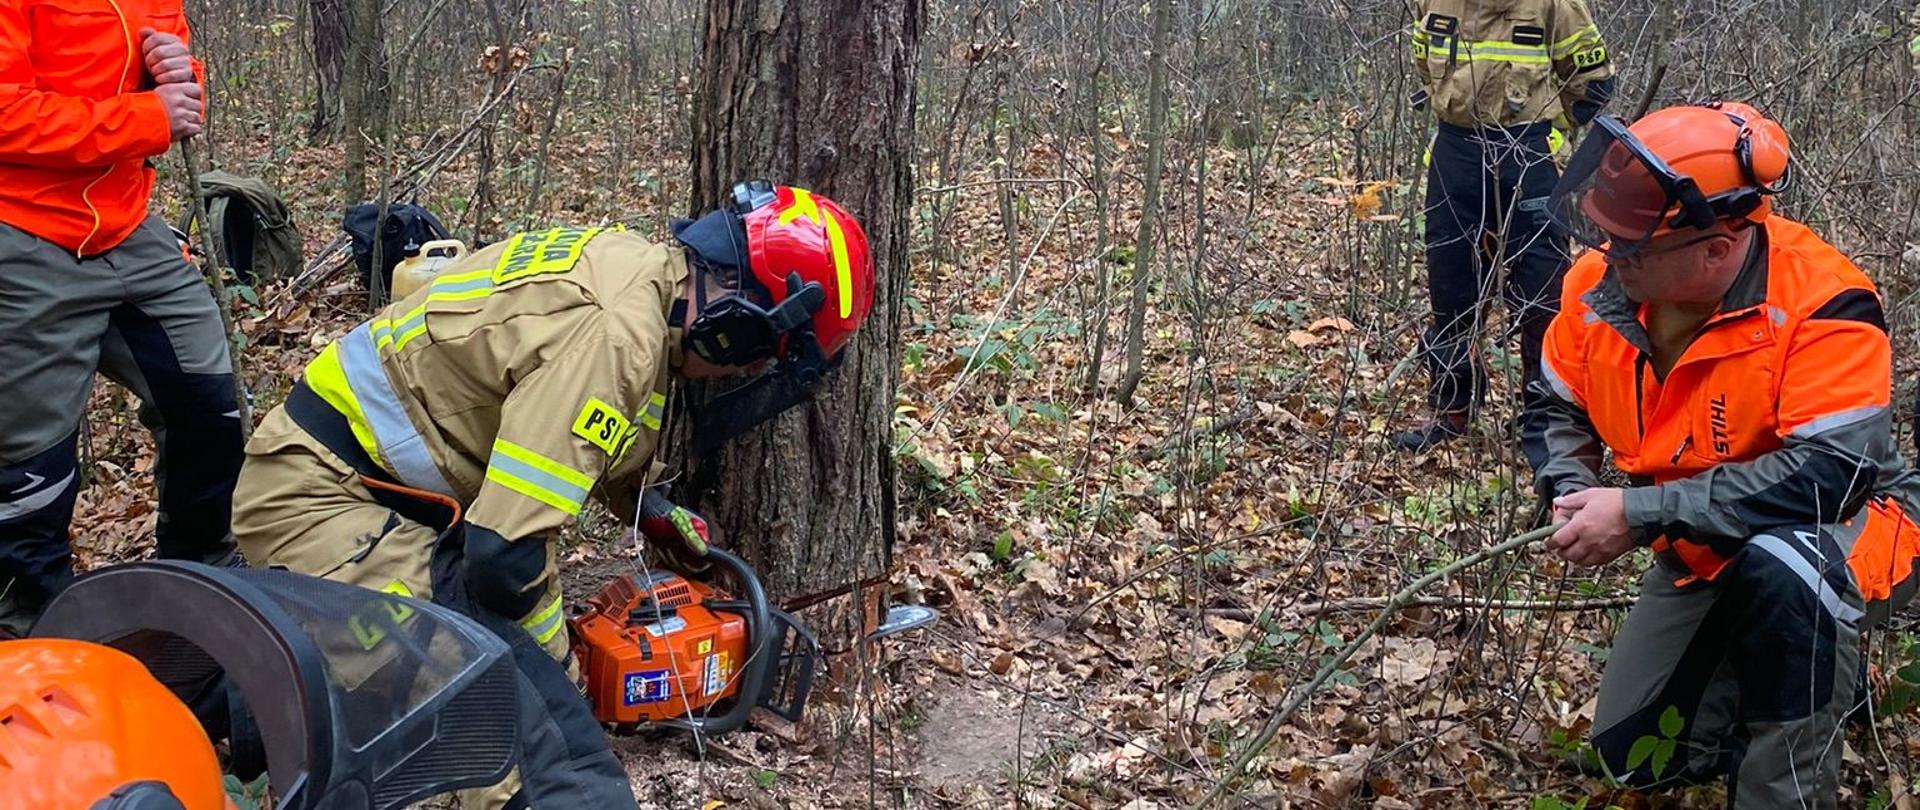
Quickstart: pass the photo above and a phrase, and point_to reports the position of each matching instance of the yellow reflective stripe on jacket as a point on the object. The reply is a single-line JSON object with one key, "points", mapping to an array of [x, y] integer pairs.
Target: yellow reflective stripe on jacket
{"points": [[656, 410], [544, 624], [348, 375], [461, 287], [1502, 51], [1572, 41], [326, 377], [1492, 50], [464, 286], [409, 326], [538, 477]]}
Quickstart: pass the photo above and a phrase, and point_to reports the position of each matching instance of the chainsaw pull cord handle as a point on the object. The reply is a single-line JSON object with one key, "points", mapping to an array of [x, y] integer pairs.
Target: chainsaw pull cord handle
{"points": [[761, 654]]}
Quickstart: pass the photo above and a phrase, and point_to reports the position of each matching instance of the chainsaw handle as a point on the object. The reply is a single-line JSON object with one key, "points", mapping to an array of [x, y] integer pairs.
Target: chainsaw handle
{"points": [[760, 658]]}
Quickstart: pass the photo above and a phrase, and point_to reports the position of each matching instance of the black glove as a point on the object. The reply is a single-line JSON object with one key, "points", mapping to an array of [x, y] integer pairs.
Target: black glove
{"points": [[500, 572]]}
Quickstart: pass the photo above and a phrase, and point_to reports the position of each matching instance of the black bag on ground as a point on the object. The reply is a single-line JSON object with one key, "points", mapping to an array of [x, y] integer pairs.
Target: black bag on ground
{"points": [[406, 229]]}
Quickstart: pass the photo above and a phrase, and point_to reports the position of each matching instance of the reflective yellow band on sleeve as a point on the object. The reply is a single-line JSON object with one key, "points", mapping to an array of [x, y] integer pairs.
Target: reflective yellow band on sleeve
{"points": [[1571, 41], [546, 623], [409, 326], [656, 411], [538, 477]]}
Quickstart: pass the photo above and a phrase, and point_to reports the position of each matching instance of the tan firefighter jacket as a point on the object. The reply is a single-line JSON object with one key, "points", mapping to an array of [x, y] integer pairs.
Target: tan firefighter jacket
{"points": [[1508, 63], [526, 378]]}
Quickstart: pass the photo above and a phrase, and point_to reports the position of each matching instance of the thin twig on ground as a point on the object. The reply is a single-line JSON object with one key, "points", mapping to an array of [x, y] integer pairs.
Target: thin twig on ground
{"points": [[1376, 602]]}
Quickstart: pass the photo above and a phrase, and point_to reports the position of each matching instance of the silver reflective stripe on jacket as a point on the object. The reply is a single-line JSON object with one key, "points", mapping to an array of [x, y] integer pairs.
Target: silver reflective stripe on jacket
{"points": [[402, 450]]}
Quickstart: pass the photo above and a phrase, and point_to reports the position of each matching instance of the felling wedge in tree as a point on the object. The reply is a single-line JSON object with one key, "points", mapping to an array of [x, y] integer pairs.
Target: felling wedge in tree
{"points": [[437, 449]]}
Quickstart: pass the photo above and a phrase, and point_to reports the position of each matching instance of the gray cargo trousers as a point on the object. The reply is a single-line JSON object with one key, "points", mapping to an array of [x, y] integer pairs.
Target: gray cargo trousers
{"points": [[1749, 677], [143, 315]]}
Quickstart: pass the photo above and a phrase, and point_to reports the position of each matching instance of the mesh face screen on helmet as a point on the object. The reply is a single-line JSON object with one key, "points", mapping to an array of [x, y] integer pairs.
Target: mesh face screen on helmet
{"points": [[1682, 167], [1616, 195]]}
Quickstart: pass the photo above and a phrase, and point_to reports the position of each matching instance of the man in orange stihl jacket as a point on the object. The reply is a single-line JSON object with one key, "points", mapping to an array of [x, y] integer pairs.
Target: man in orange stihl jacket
{"points": [[1738, 368]]}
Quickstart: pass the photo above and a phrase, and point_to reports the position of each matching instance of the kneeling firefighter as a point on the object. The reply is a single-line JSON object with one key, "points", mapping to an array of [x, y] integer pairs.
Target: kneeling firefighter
{"points": [[436, 449]]}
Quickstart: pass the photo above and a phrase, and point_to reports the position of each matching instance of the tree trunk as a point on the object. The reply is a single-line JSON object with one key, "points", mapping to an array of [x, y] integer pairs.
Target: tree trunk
{"points": [[818, 96], [483, 202], [329, 62], [1096, 135], [1150, 204], [361, 88]]}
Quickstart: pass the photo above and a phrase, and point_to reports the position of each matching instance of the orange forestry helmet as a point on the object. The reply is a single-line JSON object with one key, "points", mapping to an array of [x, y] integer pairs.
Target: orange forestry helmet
{"points": [[86, 727], [1680, 167]]}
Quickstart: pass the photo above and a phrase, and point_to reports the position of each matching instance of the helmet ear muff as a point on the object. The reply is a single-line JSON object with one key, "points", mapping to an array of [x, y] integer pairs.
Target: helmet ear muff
{"points": [[732, 331], [1761, 149], [1764, 156], [1766, 163]]}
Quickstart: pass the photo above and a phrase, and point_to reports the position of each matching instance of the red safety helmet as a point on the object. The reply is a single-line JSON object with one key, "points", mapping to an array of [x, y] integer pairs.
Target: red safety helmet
{"points": [[807, 287], [1680, 167], [810, 270], [799, 232], [87, 727]]}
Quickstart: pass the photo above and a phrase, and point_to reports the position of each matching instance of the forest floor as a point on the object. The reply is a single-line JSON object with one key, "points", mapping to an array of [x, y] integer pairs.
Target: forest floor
{"points": [[1128, 592]]}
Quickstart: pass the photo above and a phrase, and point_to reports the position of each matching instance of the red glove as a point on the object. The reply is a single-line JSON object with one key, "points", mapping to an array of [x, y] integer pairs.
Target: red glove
{"points": [[675, 530]]}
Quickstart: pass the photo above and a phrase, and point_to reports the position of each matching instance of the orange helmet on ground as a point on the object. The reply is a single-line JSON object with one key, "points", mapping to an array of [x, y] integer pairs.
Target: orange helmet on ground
{"points": [[87, 727], [1680, 167]]}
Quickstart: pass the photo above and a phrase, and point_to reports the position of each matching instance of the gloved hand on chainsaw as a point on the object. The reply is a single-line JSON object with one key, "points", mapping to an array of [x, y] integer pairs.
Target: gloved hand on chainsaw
{"points": [[679, 533]]}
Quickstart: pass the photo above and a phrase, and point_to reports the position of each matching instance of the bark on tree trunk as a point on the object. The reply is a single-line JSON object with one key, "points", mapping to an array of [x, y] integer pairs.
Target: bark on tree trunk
{"points": [[329, 62], [820, 96], [361, 92]]}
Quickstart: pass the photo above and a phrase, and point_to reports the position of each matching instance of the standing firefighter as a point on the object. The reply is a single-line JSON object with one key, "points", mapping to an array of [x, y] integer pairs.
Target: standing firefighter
{"points": [[438, 449], [1501, 76], [1739, 369], [90, 90]]}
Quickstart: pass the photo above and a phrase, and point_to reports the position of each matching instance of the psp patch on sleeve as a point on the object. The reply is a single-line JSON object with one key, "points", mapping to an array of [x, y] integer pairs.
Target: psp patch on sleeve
{"points": [[602, 425]]}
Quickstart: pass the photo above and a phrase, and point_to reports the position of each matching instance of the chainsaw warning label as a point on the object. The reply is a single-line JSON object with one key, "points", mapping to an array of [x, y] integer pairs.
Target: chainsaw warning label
{"points": [[648, 687], [717, 672]]}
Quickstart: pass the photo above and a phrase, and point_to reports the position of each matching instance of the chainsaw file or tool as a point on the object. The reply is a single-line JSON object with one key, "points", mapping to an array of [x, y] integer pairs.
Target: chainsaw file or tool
{"points": [[658, 648]]}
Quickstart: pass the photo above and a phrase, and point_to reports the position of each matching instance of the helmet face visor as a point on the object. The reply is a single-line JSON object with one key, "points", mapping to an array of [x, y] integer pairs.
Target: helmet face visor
{"points": [[1616, 195]]}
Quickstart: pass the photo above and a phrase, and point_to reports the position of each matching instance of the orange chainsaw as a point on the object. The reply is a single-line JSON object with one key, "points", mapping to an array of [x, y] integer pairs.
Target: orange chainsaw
{"points": [[659, 648]]}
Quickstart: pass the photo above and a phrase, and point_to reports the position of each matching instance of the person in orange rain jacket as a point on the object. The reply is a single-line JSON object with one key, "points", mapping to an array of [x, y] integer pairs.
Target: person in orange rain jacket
{"points": [[90, 91], [1738, 368]]}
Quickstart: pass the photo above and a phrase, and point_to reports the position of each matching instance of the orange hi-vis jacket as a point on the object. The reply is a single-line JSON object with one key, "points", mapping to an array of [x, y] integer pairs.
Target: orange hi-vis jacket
{"points": [[1775, 415], [78, 117]]}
